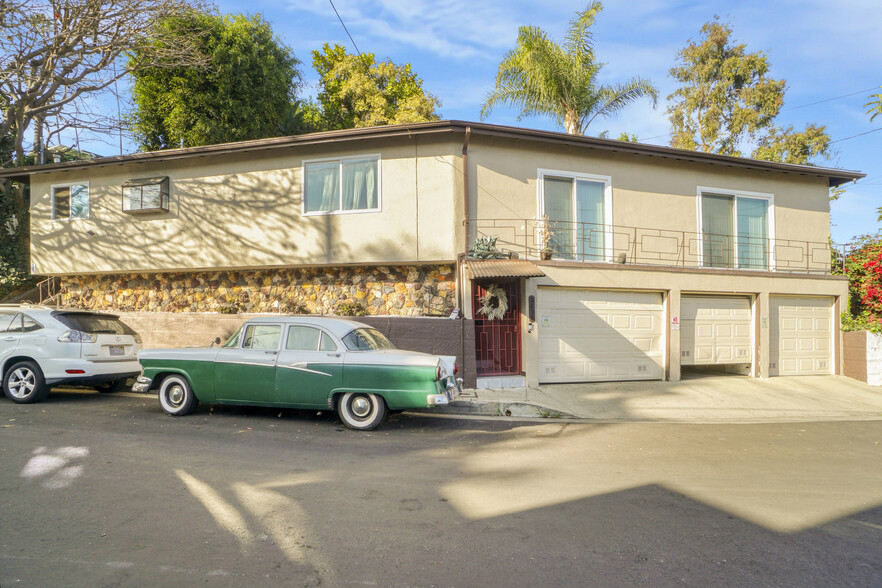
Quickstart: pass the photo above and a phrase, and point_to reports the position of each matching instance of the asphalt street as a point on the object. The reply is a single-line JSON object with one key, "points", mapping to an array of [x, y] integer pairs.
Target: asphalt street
{"points": [[106, 490]]}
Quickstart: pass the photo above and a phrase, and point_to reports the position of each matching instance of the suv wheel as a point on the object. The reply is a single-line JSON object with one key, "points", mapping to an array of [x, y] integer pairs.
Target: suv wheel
{"points": [[23, 383]]}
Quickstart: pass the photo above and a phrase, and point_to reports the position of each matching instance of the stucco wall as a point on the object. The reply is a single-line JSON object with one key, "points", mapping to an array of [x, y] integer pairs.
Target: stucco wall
{"points": [[245, 211], [646, 192], [378, 290]]}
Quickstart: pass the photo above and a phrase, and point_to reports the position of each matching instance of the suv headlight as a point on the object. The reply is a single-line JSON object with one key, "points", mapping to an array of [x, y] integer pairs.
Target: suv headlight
{"points": [[77, 337]]}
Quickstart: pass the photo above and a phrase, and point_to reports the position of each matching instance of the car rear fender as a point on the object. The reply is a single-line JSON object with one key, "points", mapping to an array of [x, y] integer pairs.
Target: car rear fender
{"points": [[12, 360], [203, 388]]}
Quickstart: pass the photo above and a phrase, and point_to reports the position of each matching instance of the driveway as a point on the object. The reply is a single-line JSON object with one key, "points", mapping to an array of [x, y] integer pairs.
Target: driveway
{"points": [[697, 399]]}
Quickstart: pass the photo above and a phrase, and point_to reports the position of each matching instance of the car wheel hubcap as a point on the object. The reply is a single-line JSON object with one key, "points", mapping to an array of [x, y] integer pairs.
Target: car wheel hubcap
{"points": [[22, 383], [176, 395], [361, 407]]}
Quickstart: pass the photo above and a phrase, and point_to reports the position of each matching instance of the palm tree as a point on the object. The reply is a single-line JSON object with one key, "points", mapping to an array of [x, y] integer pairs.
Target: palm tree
{"points": [[541, 77]]}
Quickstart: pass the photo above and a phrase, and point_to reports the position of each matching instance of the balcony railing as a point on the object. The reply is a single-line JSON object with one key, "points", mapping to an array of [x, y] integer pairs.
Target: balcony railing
{"points": [[588, 242]]}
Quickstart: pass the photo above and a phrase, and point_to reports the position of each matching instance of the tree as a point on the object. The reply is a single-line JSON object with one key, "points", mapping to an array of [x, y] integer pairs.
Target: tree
{"points": [[541, 77], [244, 91], [727, 99], [57, 52], [875, 105], [356, 91], [863, 266]]}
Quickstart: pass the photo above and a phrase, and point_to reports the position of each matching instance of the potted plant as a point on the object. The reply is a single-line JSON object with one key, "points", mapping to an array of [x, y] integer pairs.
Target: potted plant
{"points": [[543, 237]]}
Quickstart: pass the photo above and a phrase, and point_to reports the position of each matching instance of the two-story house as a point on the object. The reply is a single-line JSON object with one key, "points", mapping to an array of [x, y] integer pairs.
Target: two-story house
{"points": [[622, 261]]}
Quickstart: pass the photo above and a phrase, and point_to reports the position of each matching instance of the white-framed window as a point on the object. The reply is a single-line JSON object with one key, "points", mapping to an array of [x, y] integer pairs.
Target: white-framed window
{"points": [[737, 228], [70, 201], [342, 185], [579, 211]]}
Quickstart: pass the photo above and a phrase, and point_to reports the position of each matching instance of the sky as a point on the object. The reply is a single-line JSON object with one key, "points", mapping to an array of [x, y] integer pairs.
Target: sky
{"points": [[830, 54]]}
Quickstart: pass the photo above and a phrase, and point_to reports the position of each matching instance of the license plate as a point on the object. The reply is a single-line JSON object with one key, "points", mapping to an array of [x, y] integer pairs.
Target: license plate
{"points": [[117, 350]]}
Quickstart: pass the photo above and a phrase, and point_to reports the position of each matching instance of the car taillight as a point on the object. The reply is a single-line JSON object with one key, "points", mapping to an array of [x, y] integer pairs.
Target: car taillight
{"points": [[77, 337], [438, 372], [74, 371], [455, 369]]}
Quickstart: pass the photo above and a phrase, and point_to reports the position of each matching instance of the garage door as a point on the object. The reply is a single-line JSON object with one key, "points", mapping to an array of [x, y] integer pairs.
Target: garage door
{"points": [[715, 330], [600, 335], [801, 335]]}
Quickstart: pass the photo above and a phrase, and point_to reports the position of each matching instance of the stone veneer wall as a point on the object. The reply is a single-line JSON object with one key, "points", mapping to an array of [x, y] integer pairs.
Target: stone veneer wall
{"points": [[426, 290]]}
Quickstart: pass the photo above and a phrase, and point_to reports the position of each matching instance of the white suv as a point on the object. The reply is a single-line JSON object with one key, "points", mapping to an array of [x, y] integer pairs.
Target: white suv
{"points": [[41, 347]]}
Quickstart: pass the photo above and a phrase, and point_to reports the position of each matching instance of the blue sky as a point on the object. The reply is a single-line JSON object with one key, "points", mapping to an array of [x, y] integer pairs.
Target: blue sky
{"points": [[824, 50]]}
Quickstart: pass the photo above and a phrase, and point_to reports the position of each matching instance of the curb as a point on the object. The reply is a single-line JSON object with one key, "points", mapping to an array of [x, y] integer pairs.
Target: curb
{"points": [[500, 409]]}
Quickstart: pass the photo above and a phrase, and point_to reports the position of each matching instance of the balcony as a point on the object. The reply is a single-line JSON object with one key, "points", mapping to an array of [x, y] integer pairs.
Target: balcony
{"points": [[617, 244]]}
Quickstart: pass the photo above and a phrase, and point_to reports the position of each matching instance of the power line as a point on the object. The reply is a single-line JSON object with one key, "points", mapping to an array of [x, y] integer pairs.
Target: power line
{"points": [[858, 135], [344, 27], [830, 99]]}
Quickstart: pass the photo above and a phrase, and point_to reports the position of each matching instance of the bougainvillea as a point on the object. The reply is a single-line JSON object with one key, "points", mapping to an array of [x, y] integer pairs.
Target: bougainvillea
{"points": [[863, 266]]}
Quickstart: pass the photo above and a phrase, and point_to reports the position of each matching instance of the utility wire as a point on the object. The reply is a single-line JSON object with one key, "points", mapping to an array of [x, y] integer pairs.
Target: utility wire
{"points": [[858, 135], [344, 27], [830, 99]]}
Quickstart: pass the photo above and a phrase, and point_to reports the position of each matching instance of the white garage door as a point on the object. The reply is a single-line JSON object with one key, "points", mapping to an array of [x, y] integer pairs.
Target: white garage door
{"points": [[600, 335], [715, 330], [801, 335]]}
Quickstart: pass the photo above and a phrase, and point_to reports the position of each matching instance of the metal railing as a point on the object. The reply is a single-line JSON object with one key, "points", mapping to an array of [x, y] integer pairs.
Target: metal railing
{"points": [[48, 289], [617, 244]]}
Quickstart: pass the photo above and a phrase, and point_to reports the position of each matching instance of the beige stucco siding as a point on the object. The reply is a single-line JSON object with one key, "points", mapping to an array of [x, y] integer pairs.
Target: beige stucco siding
{"points": [[647, 192], [245, 211]]}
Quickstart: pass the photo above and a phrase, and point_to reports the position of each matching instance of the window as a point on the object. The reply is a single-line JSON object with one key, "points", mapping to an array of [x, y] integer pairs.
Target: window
{"points": [[8, 324], [262, 337], [366, 340], [145, 195], [579, 214], [735, 229], [342, 185], [70, 201], [309, 339]]}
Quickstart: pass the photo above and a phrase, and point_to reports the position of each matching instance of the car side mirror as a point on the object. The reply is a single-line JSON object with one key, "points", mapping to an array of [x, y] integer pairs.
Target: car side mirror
{"points": [[217, 341]]}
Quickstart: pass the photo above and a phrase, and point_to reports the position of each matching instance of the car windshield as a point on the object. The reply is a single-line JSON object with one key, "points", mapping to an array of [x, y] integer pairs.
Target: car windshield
{"points": [[94, 323], [366, 340]]}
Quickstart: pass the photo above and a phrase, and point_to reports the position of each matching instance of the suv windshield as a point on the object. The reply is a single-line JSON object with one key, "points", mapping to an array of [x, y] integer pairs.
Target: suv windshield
{"points": [[366, 340], [88, 322]]}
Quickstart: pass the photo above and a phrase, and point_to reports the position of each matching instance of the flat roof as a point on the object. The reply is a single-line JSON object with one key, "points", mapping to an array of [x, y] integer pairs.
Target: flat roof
{"points": [[835, 177]]}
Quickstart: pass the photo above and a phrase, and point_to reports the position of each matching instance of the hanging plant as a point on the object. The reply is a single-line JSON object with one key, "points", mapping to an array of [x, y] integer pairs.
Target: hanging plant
{"points": [[488, 309]]}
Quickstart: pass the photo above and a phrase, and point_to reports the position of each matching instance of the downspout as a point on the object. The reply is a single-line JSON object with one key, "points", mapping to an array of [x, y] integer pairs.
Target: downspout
{"points": [[462, 254], [465, 222]]}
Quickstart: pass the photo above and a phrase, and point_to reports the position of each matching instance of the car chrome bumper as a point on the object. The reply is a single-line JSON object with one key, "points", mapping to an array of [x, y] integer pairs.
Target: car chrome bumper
{"points": [[142, 384], [437, 399]]}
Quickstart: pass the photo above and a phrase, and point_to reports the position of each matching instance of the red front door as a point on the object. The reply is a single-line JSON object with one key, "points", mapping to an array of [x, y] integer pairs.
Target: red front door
{"points": [[497, 339]]}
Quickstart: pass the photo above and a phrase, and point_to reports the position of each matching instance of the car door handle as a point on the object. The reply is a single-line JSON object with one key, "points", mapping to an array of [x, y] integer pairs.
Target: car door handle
{"points": [[271, 352], [333, 355]]}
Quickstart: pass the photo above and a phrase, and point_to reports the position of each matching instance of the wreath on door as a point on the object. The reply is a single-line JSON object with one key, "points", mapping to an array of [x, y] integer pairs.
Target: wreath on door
{"points": [[494, 303]]}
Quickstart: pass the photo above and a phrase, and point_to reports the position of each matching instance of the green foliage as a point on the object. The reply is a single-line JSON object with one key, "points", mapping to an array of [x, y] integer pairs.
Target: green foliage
{"points": [[351, 308], [541, 77], [14, 272], [726, 98], [862, 264], [875, 105], [356, 91], [628, 137], [244, 92]]}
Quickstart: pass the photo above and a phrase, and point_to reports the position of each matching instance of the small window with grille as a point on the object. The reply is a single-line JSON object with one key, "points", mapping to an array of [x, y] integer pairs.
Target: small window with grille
{"points": [[145, 195]]}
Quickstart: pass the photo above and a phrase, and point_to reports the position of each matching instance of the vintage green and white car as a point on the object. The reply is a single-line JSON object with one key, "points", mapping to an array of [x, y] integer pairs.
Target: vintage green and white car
{"points": [[314, 363]]}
